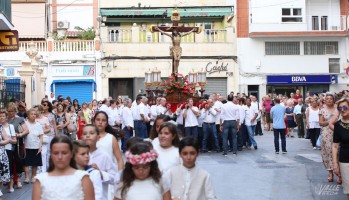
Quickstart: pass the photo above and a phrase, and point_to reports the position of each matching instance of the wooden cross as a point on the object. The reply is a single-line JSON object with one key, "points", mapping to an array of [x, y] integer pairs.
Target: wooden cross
{"points": [[175, 30]]}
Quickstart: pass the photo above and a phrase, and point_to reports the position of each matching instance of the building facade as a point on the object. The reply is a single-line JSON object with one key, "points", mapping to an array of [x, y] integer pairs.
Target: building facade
{"points": [[130, 49], [288, 45]]}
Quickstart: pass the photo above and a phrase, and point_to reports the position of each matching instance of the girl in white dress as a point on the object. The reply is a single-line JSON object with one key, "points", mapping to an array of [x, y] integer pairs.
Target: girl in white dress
{"points": [[141, 178], [168, 148], [62, 180]]}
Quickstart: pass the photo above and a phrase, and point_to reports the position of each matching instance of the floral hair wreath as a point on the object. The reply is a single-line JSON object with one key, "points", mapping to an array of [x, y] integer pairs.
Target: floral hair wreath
{"points": [[136, 159]]}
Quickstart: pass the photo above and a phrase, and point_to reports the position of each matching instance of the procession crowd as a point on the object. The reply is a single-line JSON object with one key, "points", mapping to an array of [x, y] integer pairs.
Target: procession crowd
{"points": [[160, 142]]}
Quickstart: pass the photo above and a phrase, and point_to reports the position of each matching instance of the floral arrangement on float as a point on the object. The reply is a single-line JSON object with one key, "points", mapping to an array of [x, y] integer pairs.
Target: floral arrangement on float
{"points": [[181, 85]]}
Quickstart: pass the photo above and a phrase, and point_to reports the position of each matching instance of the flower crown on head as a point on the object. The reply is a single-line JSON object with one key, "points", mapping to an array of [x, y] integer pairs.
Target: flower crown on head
{"points": [[136, 159]]}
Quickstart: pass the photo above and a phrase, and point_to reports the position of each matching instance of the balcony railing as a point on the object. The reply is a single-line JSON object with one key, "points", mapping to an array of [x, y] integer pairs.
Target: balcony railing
{"points": [[125, 35], [73, 45], [59, 45], [5, 8]]}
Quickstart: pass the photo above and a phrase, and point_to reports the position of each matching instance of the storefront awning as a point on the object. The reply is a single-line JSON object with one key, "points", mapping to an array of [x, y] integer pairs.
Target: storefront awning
{"points": [[184, 12], [299, 79], [74, 81]]}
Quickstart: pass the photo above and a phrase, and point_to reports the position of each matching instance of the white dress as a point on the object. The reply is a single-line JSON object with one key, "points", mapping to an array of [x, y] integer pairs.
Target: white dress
{"points": [[167, 157], [62, 187], [146, 189], [106, 145]]}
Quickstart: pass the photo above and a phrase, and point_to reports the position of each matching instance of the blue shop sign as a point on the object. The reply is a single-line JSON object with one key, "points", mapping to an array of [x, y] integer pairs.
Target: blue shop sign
{"points": [[299, 80]]}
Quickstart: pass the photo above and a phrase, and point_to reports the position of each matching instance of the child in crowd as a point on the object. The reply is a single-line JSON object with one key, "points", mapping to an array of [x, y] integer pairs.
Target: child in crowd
{"points": [[62, 180], [167, 150], [188, 181], [99, 159], [141, 178], [33, 145], [82, 157]]}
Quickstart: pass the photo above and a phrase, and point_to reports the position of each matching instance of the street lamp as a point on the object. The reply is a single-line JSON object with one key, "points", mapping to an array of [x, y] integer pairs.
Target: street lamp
{"points": [[156, 74], [148, 81], [202, 81], [193, 77]]}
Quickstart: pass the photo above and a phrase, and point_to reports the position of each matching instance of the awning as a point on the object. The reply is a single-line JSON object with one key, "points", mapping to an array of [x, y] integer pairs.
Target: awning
{"points": [[184, 12], [74, 81]]}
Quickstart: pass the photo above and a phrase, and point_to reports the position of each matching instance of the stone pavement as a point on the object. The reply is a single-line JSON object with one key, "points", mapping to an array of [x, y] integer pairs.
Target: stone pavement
{"points": [[260, 174]]}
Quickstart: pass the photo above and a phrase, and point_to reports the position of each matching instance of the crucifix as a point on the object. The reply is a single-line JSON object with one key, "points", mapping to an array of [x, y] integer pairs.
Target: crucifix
{"points": [[175, 30]]}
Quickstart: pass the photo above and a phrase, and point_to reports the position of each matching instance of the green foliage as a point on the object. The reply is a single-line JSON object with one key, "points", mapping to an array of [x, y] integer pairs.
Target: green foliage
{"points": [[86, 34]]}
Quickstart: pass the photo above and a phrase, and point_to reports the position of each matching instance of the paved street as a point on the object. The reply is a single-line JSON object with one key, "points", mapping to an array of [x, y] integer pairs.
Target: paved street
{"points": [[261, 174]]}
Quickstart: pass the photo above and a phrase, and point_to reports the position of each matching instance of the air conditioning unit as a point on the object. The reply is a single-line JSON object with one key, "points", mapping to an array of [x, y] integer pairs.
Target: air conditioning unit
{"points": [[62, 25], [329, 49]]}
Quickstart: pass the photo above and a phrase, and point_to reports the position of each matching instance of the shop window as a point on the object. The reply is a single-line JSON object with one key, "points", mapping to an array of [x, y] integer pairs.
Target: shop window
{"points": [[334, 65], [292, 15], [320, 48], [282, 48]]}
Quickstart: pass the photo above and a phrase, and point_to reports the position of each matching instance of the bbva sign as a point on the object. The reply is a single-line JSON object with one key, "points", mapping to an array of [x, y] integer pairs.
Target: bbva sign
{"points": [[298, 79]]}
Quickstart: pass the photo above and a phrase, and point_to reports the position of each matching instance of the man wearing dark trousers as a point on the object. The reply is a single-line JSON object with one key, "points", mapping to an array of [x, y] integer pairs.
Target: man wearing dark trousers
{"points": [[277, 113]]}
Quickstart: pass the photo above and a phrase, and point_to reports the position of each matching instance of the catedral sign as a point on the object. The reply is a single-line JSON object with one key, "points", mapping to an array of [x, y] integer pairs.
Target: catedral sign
{"points": [[9, 40]]}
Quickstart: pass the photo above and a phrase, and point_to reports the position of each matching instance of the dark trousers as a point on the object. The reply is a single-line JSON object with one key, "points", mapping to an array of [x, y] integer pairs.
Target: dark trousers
{"points": [[258, 130], [229, 131], [314, 134], [180, 130], [127, 135], [140, 129], [191, 131], [200, 136], [282, 133], [245, 138], [209, 129], [300, 125], [220, 137]]}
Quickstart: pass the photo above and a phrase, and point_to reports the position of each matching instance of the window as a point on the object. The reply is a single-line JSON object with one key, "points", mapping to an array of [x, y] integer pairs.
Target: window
{"points": [[292, 15], [324, 24], [282, 48], [320, 48], [334, 65], [314, 23]]}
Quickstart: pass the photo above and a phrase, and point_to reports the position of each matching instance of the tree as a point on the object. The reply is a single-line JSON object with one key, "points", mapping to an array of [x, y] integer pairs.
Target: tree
{"points": [[86, 34]]}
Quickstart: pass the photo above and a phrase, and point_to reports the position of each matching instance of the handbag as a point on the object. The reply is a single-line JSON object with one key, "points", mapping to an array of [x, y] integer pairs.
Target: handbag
{"points": [[45, 139]]}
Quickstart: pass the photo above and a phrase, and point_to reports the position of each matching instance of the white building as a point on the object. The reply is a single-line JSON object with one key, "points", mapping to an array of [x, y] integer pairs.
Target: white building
{"points": [[287, 45], [130, 49]]}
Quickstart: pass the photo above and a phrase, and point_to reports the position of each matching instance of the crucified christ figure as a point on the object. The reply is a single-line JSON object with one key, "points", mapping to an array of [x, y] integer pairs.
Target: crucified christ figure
{"points": [[176, 49]]}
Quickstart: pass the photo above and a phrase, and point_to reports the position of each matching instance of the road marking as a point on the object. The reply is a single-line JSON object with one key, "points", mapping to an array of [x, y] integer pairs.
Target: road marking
{"points": [[312, 156]]}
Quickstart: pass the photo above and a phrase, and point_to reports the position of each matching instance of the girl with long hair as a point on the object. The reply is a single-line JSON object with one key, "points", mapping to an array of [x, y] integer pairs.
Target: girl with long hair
{"points": [[62, 120], [62, 180], [141, 178]]}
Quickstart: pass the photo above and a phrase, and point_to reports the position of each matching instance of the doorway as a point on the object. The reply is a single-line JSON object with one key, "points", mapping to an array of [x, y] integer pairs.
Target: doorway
{"points": [[122, 87]]}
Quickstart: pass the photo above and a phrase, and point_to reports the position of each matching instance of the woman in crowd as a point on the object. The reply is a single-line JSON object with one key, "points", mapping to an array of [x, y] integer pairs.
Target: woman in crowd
{"points": [[340, 146], [72, 127], [94, 108], [62, 120], [328, 112], [76, 105], [87, 113], [81, 124], [291, 119], [62, 180], [33, 145], [120, 104], [312, 116], [9, 129], [45, 124], [4, 162], [19, 150]]}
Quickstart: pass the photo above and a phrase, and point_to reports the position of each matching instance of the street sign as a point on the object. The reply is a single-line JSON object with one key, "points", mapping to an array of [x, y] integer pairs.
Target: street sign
{"points": [[9, 40], [347, 71]]}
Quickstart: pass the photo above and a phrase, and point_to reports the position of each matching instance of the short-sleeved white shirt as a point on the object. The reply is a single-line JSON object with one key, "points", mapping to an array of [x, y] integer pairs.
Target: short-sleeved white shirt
{"points": [[191, 119], [32, 140], [249, 114]]}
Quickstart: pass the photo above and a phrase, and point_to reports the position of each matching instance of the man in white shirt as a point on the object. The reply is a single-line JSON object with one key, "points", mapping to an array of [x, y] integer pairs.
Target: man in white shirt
{"points": [[209, 127], [115, 119], [127, 123], [153, 111], [139, 118], [105, 108], [258, 130], [190, 115], [251, 113], [230, 124], [243, 139], [217, 105], [164, 109], [299, 111]]}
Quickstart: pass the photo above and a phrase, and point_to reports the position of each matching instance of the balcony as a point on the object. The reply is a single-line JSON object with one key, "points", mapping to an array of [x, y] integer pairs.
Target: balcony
{"points": [[311, 26], [145, 36], [5, 15]]}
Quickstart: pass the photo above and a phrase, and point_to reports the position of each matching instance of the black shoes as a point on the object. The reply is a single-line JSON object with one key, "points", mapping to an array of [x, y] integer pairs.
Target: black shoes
{"points": [[255, 147]]}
